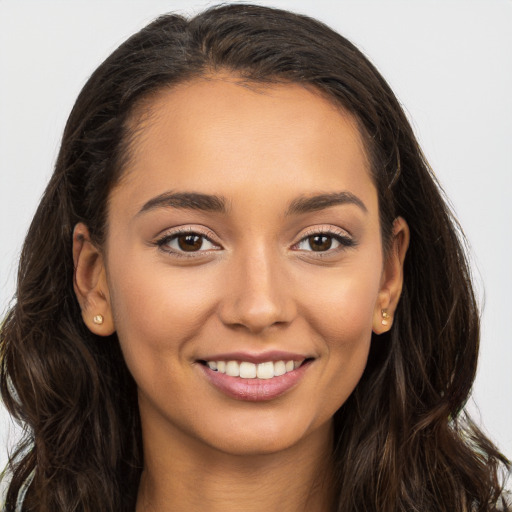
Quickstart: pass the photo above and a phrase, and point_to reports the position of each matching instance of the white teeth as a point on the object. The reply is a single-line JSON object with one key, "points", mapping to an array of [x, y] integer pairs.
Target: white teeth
{"points": [[279, 368], [246, 370], [266, 370], [232, 369]]}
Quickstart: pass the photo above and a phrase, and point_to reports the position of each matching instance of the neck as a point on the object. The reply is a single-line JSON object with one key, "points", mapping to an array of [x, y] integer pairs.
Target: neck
{"points": [[189, 475]]}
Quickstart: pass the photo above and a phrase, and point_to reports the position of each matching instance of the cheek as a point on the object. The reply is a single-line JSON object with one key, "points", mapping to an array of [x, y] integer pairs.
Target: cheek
{"points": [[343, 303], [351, 314], [341, 314], [346, 328], [156, 310]]}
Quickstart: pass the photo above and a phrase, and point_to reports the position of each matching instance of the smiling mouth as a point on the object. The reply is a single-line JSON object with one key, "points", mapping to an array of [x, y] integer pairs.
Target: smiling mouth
{"points": [[247, 370]]}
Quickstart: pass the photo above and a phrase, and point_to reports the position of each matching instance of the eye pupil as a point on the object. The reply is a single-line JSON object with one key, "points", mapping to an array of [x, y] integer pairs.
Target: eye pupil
{"points": [[190, 242], [320, 242]]}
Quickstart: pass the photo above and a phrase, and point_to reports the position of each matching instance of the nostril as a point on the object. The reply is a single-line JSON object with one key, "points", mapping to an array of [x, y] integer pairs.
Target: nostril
{"points": [[255, 307]]}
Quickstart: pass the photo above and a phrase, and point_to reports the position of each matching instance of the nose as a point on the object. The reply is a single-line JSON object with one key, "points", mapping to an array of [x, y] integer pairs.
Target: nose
{"points": [[257, 294]]}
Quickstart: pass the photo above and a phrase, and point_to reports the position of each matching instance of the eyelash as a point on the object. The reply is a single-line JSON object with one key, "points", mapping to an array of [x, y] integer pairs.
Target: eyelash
{"points": [[170, 237], [342, 238]]}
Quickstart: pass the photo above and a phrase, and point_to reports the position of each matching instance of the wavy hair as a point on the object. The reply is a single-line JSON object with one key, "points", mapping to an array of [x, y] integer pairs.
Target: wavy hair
{"points": [[402, 440]]}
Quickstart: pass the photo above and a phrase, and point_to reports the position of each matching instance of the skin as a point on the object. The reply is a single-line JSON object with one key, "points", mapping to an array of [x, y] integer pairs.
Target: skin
{"points": [[254, 285]]}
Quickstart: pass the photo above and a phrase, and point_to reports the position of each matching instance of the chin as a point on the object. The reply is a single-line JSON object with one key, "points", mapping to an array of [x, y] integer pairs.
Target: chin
{"points": [[265, 437]]}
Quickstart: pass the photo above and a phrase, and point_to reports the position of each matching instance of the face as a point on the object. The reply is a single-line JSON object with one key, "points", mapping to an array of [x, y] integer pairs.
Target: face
{"points": [[244, 239]]}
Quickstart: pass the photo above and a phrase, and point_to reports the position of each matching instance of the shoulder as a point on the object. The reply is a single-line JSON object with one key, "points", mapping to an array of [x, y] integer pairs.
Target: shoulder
{"points": [[506, 501]]}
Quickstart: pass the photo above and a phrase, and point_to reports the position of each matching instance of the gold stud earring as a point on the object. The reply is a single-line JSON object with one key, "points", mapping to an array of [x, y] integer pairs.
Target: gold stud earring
{"points": [[98, 319], [385, 317]]}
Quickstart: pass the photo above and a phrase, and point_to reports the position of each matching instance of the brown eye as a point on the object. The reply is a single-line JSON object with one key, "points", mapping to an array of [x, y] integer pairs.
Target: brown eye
{"points": [[186, 243], [324, 241], [320, 242], [190, 243]]}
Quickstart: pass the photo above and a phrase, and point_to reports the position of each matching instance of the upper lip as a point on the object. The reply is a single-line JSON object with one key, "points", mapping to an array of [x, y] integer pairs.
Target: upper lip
{"points": [[262, 357]]}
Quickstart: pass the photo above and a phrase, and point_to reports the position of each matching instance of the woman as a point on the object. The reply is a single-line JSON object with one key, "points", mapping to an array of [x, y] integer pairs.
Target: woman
{"points": [[233, 294]]}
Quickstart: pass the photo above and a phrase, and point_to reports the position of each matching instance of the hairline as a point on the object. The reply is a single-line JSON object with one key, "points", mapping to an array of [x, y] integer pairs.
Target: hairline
{"points": [[141, 113]]}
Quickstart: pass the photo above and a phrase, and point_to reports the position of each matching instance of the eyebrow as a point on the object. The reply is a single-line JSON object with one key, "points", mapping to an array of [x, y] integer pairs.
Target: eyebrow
{"points": [[186, 200], [213, 203], [322, 201]]}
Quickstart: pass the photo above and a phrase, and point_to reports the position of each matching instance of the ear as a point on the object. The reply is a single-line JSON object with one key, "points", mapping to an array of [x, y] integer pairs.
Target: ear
{"points": [[392, 278], [90, 283]]}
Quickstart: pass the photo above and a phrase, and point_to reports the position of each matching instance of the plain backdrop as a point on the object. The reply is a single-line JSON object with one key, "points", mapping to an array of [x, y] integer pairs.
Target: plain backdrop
{"points": [[449, 62]]}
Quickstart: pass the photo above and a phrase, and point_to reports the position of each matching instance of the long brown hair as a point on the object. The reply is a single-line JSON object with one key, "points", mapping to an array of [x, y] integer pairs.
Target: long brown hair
{"points": [[402, 441]]}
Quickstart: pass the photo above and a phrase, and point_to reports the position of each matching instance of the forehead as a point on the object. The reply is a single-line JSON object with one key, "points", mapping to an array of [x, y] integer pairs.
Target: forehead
{"points": [[221, 133]]}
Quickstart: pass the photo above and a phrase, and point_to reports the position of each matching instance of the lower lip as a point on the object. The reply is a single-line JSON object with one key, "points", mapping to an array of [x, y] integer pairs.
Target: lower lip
{"points": [[255, 390]]}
